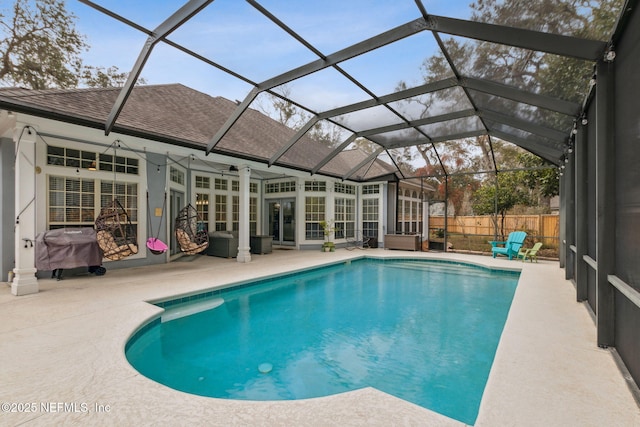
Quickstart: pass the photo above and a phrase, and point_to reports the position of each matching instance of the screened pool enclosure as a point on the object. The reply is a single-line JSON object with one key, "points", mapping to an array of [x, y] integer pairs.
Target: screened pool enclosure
{"points": [[430, 97]]}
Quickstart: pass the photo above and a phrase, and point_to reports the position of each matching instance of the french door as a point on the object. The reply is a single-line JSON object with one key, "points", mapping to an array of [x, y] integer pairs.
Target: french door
{"points": [[282, 221]]}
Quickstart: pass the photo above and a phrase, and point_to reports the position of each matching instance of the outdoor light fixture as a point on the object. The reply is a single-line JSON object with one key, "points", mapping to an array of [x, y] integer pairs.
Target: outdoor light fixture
{"points": [[610, 55], [585, 121], [574, 131]]}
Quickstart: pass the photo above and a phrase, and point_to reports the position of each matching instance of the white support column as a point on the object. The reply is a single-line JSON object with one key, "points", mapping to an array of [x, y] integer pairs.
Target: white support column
{"points": [[24, 279], [425, 220], [330, 208], [244, 248]]}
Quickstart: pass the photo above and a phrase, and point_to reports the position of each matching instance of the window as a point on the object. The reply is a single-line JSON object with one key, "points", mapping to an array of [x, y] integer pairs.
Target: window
{"points": [[69, 157], [253, 215], [176, 175], [202, 199], [339, 187], [222, 193], [370, 215], [84, 159], [410, 215], [235, 213], [126, 193], [71, 202], [221, 212], [203, 182], [314, 208], [279, 187], [407, 210], [371, 189], [120, 164], [406, 216], [287, 187], [345, 217], [202, 207], [271, 187], [220, 184], [320, 186]]}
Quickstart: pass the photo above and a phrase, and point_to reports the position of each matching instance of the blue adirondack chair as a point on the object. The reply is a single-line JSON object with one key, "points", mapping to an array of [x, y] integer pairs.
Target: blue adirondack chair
{"points": [[511, 247]]}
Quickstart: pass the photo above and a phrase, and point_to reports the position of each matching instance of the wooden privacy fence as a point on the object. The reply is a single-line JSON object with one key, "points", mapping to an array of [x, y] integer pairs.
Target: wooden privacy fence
{"points": [[544, 228]]}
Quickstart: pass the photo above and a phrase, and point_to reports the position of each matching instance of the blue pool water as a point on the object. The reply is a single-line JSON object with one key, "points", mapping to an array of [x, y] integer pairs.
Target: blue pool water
{"points": [[423, 331]]}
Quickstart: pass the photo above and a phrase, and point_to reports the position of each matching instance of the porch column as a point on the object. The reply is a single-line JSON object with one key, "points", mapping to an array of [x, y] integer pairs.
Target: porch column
{"points": [[24, 279], [244, 249]]}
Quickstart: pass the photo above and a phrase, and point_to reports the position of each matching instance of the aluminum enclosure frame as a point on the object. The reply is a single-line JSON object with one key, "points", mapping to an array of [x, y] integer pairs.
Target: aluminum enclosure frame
{"points": [[590, 50]]}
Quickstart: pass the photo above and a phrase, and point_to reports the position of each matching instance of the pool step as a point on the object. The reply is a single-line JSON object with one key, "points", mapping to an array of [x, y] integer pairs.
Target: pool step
{"points": [[187, 309]]}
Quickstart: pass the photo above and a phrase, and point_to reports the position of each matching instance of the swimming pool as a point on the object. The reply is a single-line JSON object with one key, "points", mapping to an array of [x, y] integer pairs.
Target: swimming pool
{"points": [[424, 331]]}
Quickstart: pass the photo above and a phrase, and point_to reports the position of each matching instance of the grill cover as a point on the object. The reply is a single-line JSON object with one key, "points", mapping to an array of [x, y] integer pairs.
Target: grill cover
{"points": [[67, 248]]}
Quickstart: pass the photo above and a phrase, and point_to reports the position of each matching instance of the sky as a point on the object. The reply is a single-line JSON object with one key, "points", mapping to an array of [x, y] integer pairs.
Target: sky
{"points": [[235, 35]]}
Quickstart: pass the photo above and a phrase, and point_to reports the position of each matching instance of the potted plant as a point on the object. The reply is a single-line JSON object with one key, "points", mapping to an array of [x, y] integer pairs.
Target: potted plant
{"points": [[327, 229]]}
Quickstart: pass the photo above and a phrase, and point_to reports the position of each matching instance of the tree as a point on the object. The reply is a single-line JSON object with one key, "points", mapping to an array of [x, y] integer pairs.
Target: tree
{"points": [[536, 72], [91, 76], [40, 47], [509, 193], [282, 110], [545, 182], [294, 117]]}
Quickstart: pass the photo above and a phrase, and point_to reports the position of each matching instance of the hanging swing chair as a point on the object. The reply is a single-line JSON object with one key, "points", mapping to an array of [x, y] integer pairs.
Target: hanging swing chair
{"points": [[191, 232], [154, 244], [115, 233]]}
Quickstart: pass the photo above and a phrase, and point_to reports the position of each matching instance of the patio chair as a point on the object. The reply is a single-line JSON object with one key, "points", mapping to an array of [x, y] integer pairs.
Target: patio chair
{"points": [[191, 234], [511, 247], [115, 233], [531, 253], [357, 241]]}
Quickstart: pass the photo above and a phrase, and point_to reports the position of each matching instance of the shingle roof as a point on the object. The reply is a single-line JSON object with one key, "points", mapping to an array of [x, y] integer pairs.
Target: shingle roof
{"points": [[177, 114]]}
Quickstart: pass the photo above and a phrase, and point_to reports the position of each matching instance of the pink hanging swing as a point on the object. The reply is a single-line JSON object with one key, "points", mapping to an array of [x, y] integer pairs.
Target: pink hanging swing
{"points": [[154, 244]]}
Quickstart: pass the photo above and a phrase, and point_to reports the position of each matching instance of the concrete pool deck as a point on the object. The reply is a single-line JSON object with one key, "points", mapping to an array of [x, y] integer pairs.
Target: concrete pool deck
{"points": [[62, 355]]}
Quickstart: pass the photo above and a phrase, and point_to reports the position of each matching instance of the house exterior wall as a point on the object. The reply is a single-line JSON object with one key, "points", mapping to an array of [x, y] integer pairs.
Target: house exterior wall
{"points": [[156, 163]]}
